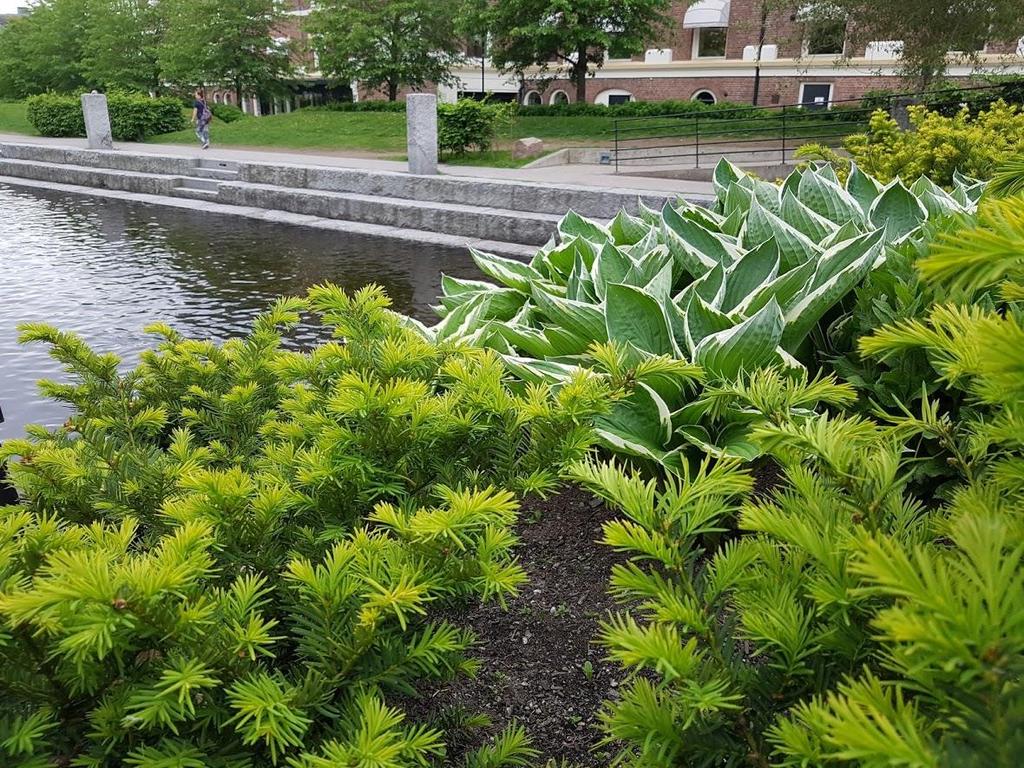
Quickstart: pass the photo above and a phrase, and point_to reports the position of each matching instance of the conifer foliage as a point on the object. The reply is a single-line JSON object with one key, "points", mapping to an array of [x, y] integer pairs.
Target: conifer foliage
{"points": [[228, 556], [836, 618]]}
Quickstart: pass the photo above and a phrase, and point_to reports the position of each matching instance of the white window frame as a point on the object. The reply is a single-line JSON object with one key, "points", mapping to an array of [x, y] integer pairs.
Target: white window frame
{"points": [[604, 97], [828, 101], [528, 94], [695, 45], [559, 91], [704, 90]]}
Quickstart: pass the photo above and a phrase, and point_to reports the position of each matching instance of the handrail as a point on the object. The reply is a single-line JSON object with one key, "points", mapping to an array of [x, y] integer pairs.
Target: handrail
{"points": [[699, 131]]}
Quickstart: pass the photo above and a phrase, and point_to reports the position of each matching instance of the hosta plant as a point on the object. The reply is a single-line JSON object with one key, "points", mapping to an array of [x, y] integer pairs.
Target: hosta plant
{"points": [[747, 284], [229, 556], [831, 616]]}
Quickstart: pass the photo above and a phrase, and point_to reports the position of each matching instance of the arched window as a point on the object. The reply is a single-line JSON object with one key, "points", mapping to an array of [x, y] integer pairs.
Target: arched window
{"points": [[613, 96], [559, 97], [532, 99], [705, 96]]}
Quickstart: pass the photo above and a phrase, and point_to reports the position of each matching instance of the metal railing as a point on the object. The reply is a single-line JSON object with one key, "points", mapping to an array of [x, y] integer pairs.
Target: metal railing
{"points": [[771, 134]]}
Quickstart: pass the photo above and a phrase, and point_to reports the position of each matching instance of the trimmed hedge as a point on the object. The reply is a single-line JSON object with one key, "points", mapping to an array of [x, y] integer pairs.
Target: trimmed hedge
{"points": [[364, 106], [721, 110], [133, 117], [227, 113]]}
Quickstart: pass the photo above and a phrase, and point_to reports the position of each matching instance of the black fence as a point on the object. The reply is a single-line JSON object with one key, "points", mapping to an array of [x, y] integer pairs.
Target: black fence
{"points": [[770, 135]]}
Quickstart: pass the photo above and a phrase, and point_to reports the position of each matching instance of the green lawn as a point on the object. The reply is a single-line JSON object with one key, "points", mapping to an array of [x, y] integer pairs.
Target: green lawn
{"points": [[307, 129], [383, 133], [12, 118]]}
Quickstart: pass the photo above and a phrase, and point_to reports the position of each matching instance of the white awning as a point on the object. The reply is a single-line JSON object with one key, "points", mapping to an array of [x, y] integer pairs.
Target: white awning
{"points": [[707, 13]]}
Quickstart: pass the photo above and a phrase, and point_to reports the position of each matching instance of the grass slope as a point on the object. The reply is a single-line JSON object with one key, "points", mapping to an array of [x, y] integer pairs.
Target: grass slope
{"points": [[382, 132], [13, 119]]}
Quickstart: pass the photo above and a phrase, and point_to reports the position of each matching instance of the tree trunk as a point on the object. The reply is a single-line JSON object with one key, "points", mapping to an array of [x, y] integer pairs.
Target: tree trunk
{"points": [[762, 34], [238, 93], [579, 76], [392, 91]]}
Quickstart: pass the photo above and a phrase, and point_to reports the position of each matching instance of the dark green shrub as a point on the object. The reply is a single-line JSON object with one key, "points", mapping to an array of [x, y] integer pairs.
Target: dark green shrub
{"points": [[364, 106], [228, 556], [227, 113], [54, 115], [133, 117], [469, 124]]}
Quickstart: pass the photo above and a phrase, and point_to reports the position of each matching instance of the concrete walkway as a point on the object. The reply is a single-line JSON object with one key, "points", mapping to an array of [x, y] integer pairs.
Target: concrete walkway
{"points": [[598, 176]]}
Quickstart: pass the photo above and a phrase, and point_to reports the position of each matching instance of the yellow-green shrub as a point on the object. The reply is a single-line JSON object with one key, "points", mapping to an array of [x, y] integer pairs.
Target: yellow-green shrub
{"points": [[939, 146]]}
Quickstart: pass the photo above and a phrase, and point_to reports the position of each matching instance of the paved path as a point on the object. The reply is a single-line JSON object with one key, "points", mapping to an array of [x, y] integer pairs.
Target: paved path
{"points": [[584, 175]]}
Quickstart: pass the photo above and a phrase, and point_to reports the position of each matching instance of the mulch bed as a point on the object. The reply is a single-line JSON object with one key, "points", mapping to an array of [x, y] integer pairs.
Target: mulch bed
{"points": [[534, 655]]}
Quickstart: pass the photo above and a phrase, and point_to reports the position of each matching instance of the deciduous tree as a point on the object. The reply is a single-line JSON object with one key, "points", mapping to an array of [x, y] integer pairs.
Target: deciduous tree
{"points": [[120, 48], [929, 29], [224, 41], [387, 44], [43, 51], [570, 37]]}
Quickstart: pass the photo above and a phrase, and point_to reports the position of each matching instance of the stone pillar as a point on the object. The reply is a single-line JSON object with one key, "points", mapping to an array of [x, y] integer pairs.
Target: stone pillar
{"points": [[898, 111], [97, 121], [421, 127]]}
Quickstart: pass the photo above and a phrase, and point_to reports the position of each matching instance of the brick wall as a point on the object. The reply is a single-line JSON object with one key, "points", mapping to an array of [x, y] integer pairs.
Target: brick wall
{"points": [[740, 89]]}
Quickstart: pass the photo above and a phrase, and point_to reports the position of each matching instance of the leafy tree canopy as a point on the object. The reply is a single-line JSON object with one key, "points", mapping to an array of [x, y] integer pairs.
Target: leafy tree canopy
{"points": [[387, 44], [570, 37], [224, 41], [929, 29]]}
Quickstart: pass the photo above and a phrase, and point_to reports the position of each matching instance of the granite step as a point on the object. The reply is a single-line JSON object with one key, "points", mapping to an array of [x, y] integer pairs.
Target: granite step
{"points": [[472, 222]]}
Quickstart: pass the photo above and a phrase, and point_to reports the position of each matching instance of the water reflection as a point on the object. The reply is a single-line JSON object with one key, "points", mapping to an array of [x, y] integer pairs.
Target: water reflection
{"points": [[106, 268]]}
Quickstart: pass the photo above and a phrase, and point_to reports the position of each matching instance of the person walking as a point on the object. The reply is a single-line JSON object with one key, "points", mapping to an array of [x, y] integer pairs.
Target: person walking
{"points": [[201, 117]]}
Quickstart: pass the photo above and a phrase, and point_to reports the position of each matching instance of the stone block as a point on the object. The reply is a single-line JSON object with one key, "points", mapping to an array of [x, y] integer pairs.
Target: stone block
{"points": [[97, 121], [421, 129], [528, 147], [899, 110]]}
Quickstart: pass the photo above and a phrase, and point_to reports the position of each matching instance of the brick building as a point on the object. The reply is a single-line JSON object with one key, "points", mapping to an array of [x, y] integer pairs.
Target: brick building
{"points": [[710, 53]]}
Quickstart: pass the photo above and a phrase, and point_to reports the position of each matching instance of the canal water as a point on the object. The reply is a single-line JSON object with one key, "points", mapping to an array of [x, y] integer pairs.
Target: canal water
{"points": [[106, 269]]}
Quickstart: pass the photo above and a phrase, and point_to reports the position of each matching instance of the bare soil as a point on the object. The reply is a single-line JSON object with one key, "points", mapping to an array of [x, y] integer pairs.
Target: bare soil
{"points": [[539, 664]]}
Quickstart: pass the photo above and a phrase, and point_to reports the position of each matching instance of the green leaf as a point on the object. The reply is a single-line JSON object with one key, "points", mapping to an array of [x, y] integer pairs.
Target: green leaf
{"points": [[705, 242], [453, 286], [574, 225], [529, 341], [504, 302], [897, 210], [746, 346], [723, 178], [508, 272], [934, 198], [703, 321], [799, 216], [862, 188], [794, 246], [636, 317], [640, 425], [539, 371], [464, 319], [826, 198], [804, 314], [583, 320], [756, 269], [627, 230], [690, 260], [580, 286], [610, 266]]}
